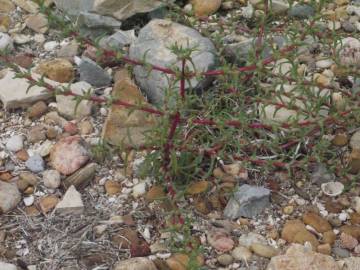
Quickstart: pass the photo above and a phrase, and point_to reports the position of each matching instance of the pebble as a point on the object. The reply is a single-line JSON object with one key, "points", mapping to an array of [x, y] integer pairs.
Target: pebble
{"points": [[6, 42], [301, 11], [35, 163], [15, 143], [50, 46], [29, 200], [348, 27], [52, 179], [341, 252], [264, 250], [225, 259], [139, 190], [241, 253]]}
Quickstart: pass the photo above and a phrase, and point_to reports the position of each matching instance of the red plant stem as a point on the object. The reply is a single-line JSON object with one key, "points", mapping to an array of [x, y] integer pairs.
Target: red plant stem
{"points": [[182, 80], [167, 149]]}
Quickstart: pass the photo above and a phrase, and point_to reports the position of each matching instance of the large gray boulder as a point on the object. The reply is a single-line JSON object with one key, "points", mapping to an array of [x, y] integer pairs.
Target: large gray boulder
{"points": [[154, 42]]}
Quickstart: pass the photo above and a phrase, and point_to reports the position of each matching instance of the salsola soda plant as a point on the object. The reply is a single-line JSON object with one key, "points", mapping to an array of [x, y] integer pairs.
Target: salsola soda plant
{"points": [[267, 113]]}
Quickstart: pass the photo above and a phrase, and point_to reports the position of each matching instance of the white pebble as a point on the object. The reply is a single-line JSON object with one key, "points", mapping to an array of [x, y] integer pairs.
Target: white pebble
{"points": [[139, 189], [28, 201], [51, 46], [15, 143], [343, 216], [52, 179]]}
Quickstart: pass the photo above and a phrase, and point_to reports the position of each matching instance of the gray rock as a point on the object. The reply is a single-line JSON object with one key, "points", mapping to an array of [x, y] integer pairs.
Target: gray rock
{"points": [[74, 7], [320, 175], [356, 86], [92, 20], [341, 252], [35, 163], [9, 197], [6, 43], [123, 9], [92, 73], [348, 27], [118, 40], [239, 52], [71, 203], [301, 11], [355, 2], [66, 105], [36, 134], [248, 201], [7, 266], [14, 92], [279, 6], [153, 43], [52, 179], [15, 143]]}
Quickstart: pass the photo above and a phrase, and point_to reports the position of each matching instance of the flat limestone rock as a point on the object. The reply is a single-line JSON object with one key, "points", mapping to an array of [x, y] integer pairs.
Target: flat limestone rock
{"points": [[71, 203], [13, 91]]}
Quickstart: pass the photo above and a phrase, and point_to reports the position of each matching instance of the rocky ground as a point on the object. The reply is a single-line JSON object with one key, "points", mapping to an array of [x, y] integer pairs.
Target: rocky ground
{"points": [[70, 198]]}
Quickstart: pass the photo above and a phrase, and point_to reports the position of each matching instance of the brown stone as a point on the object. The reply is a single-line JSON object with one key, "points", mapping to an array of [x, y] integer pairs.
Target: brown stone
{"points": [[340, 139], [6, 6], [22, 155], [352, 230], [37, 22], [318, 223], [291, 228], [329, 237], [37, 110], [126, 126], [205, 8], [32, 211], [6, 176], [51, 133], [355, 218], [305, 236], [354, 161], [48, 203], [324, 249], [59, 70], [5, 22], [112, 187], [125, 238], [197, 187], [155, 193]]}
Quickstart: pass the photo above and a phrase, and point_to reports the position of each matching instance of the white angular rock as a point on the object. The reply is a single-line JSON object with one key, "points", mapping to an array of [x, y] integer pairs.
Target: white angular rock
{"points": [[349, 51], [15, 143], [14, 94], [71, 203], [7, 266], [66, 105], [9, 197]]}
